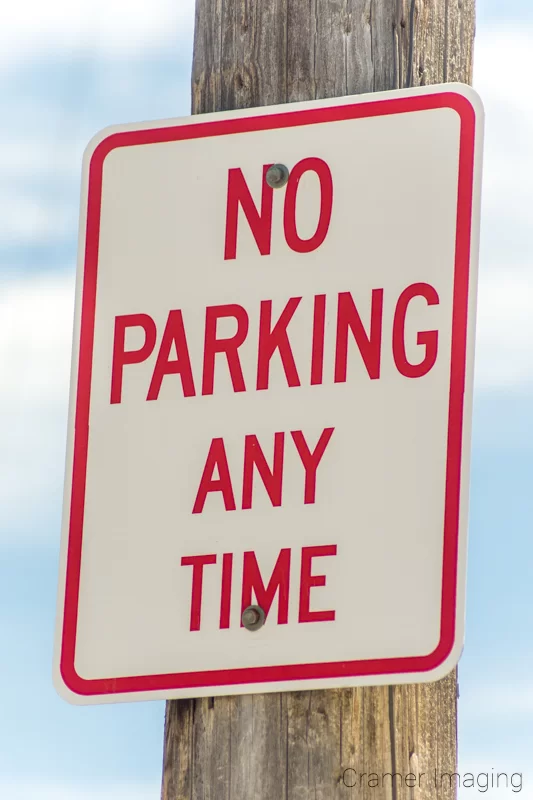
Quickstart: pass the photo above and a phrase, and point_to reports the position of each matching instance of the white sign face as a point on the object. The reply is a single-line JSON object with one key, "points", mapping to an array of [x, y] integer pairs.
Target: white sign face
{"points": [[271, 400]]}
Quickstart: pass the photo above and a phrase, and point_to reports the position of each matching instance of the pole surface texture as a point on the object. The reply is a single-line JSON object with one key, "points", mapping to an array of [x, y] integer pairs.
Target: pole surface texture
{"points": [[324, 745]]}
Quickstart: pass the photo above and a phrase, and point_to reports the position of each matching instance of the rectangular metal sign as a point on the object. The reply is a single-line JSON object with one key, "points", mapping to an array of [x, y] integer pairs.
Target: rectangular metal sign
{"points": [[271, 399]]}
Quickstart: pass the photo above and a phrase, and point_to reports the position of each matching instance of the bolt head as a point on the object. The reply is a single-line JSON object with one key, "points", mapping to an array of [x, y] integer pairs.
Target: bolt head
{"points": [[250, 616], [277, 176], [253, 618]]}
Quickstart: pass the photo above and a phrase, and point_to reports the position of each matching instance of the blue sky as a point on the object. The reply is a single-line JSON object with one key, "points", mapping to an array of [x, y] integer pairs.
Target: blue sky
{"points": [[67, 70]]}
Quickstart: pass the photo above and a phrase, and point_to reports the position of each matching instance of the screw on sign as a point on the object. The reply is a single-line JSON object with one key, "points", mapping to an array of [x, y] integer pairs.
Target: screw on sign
{"points": [[253, 618], [271, 403], [277, 176]]}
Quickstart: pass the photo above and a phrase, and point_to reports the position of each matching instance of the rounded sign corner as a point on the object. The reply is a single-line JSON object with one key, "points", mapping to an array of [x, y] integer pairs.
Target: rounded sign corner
{"points": [[465, 101], [470, 94], [99, 147], [444, 658], [68, 685]]}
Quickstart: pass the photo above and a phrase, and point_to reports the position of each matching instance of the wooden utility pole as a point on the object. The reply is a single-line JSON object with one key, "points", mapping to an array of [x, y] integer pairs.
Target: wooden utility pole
{"points": [[317, 744]]}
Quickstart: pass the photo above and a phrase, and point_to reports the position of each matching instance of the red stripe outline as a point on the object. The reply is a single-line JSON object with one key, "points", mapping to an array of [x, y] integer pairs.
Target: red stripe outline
{"points": [[257, 675]]}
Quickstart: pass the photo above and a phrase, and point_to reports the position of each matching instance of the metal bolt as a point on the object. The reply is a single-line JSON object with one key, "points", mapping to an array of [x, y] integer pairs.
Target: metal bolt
{"points": [[253, 618], [277, 176]]}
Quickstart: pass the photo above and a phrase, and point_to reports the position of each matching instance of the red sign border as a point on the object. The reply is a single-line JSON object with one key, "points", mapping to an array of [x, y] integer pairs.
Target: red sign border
{"points": [[292, 672]]}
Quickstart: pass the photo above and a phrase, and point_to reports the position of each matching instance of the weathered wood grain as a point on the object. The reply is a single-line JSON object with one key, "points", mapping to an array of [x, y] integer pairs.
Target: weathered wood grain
{"points": [[259, 52], [303, 745], [324, 745]]}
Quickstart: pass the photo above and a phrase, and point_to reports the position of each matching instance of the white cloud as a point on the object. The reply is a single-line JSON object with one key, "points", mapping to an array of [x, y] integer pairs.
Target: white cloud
{"points": [[508, 173], [35, 343], [105, 76], [24, 218], [504, 354], [505, 321], [21, 790], [512, 43], [31, 27], [34, 155]]}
